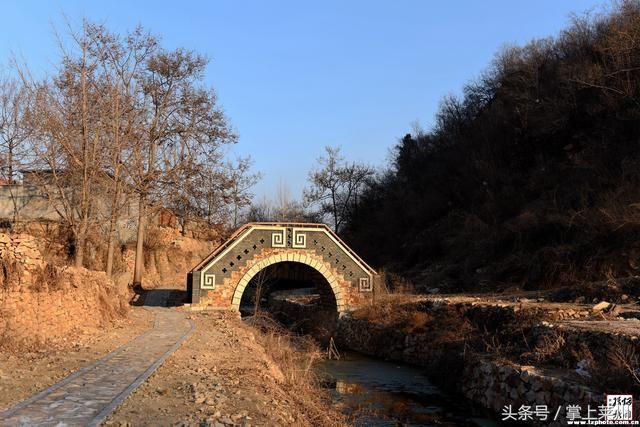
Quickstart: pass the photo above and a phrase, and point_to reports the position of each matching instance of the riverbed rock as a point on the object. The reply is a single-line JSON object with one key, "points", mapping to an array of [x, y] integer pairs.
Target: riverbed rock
{"points": [[603, 305]]}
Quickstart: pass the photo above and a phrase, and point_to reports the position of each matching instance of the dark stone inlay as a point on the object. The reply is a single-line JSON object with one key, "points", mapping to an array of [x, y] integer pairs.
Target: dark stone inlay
{"points": [[259, 239]]}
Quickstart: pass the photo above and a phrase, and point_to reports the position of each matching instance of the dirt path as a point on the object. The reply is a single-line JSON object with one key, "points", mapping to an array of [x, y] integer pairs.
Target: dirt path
{"points": [[87, 396], [24, 373], [221, 376]]}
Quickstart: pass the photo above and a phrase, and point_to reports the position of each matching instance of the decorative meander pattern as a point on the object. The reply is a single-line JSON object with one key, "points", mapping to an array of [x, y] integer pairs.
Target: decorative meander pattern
{"points": [[286, 237], [253, 241]]}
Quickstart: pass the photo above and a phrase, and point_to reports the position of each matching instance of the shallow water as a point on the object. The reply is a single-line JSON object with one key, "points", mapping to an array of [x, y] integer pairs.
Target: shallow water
{"points": [[379, 393]]}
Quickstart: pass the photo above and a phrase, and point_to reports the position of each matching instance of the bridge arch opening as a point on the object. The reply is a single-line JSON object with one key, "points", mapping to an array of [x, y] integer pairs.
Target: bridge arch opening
{"points": [[310, 269], [300, 295], [296, 281]]}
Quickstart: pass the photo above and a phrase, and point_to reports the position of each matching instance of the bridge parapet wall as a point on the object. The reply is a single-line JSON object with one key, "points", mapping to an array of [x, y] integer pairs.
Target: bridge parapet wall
{"points": [[219, 280]]}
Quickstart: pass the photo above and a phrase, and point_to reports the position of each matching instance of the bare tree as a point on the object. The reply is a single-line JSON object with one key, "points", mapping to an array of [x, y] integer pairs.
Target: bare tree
{"points": [[210, 197], [261, 211], [181, 126], [119, 61], [241, 181], [124, 120], [336, 185], [14, 134], [219, 193], [283, 208], [68, 136]]}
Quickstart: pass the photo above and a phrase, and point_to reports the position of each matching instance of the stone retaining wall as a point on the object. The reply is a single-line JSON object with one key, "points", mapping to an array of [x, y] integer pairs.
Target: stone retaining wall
{"points": [[486, 379], [21, 249], [40, 302], [87, 300], [495, 384]]}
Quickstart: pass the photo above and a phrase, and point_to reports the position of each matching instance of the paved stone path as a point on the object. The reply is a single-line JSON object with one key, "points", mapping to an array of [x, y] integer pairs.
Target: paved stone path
{"points": [[86, 397]]}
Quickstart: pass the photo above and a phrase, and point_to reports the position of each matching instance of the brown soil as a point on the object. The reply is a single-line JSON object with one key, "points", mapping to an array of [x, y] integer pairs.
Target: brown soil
{"points": [[394, 308], [630, 327], [222, 375], [23, 374], [167, 258]]}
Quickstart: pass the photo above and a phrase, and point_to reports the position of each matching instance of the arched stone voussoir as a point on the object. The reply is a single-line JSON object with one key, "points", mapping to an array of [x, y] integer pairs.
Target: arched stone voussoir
{"points": [[301, 258]]}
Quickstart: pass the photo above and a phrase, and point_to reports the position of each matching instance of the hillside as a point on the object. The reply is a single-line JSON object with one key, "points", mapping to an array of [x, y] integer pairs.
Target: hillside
{"points": [[530, 179]]}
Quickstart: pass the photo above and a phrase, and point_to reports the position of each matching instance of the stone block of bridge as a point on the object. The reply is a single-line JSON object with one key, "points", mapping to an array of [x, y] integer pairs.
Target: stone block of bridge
{"points": [[220, 279]]}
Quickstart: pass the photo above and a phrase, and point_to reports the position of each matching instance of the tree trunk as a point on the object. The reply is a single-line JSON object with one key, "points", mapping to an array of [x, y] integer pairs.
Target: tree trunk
{"points": [[110, 250], [10, 163], [11, 186], [84, 196], [335, 211], [137, 271], [116, 161], [81, 238], [14, 202], [111, 244], [235, 215]]}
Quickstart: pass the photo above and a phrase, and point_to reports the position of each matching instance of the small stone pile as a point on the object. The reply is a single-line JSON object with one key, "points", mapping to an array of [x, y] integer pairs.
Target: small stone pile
{"points": [[21, 249], [496, 385]]}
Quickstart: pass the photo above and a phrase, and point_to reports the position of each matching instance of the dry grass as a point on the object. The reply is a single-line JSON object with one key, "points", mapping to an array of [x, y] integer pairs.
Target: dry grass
{"points": [[50, 277], [546, 348], [406, 313], [154, 239], [42, 278], [623, 357], [389, 283], [418, 322], [295, 357], [620, 373], [394, 302], [387, 309], [11, 273]]}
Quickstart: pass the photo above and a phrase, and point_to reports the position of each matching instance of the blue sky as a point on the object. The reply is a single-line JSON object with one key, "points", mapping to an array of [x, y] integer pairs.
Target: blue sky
{"points": [[294, 76]]}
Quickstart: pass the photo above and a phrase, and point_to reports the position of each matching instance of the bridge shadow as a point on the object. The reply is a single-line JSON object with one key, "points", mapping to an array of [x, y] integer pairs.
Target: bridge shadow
{"points": [[158, 297]]}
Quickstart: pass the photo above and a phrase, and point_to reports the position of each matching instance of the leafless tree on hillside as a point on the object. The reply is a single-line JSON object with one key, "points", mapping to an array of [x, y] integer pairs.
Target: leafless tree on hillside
{"points": [[125, 121], [68, 136], [119, 60], [241, 181], [336, 185], [181, 126], [14, 135]]}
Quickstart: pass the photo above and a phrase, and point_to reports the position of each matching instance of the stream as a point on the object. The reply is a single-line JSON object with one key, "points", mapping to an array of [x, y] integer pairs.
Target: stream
{"points": [[380, 393]]}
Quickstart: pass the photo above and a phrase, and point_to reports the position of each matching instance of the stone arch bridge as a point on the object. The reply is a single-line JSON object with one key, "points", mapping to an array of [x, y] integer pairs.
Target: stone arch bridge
{"points": [[309, 251]]}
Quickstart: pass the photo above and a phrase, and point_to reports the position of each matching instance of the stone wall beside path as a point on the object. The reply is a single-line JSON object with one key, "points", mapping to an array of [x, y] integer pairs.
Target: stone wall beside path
{"points": [[41, 304]]}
